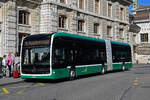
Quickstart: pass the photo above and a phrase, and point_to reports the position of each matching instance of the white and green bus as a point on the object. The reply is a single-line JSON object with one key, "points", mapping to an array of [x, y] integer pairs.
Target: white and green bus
{"points": [[63, 55]]}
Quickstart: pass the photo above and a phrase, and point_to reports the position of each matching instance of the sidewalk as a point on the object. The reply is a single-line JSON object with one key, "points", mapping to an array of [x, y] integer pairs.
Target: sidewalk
{"points": [[8, 81]]}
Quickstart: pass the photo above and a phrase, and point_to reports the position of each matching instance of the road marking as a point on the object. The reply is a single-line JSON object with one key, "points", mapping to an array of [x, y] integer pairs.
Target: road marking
{"points": [[41, 84], [137, 78], [136, 81], [21, 91], [135, 84], [5, 90], [27, 87], [1, 93]]}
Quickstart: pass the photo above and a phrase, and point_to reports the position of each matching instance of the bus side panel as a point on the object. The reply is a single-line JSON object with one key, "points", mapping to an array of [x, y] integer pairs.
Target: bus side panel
{"points": [[128, 65], [60, 73], [117, 66], [34, 77], [88, 70]]}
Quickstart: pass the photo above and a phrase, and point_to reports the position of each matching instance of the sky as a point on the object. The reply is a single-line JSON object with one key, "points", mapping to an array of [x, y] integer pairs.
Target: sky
{"points": [[144, 2], [141, 2]]}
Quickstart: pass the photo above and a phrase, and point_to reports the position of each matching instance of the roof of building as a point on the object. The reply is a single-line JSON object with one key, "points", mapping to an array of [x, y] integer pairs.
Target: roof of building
{"points": [[141, 16], [143, 7], [142, 13]]}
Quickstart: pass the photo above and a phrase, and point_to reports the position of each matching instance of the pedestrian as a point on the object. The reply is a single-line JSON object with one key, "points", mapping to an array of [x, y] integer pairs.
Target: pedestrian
{"points": [[16, 66], [9, 60], [17, 61], [13, 62], [4, 65]]}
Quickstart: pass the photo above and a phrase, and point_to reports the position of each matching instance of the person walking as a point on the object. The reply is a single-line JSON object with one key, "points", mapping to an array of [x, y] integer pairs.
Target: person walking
{"points": [[13, 62], [9, 60], [16, 66]]}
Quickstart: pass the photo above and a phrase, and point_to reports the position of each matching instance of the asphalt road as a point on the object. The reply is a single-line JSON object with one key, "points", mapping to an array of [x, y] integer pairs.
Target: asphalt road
{"points": [[129, 85]]}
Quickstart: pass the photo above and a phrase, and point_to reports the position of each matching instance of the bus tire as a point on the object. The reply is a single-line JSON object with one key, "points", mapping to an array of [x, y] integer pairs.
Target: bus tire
{"points": [[72, 74], [103, 70]]}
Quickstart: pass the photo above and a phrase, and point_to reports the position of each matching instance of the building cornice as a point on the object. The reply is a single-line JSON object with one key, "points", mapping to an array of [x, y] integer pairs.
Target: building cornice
{"points": [[142, 21], [128, 1], [34, 1]]}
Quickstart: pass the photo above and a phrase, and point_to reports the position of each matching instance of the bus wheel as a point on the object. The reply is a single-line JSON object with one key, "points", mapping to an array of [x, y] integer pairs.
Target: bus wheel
{"points": [[72, 74], [103, 70], [123, 67]]}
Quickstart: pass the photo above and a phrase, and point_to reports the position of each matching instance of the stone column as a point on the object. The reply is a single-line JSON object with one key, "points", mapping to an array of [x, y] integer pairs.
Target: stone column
{"points": [[8, 28], [49, 17]]}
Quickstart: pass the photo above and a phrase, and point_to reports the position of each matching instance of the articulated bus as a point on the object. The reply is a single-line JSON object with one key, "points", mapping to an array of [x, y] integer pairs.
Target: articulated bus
{"points": [[64, 55]]}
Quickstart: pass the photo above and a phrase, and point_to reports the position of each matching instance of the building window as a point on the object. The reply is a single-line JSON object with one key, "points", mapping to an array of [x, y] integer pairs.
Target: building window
{"points": [[81, 25], [81, 4], [121, 33], [24, 17], [121, 14], [62, 21], [109, 31], [109, 10], [144, 37], [97, 6], [96, 28], [63, 1]]}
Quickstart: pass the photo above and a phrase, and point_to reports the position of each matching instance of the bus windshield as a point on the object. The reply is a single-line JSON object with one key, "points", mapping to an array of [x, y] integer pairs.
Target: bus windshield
{"points": [[36, 55]]}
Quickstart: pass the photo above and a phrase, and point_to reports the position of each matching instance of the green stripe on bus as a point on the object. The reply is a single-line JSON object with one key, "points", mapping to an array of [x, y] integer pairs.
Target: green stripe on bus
{"points": [[88, 70], [128, 65], [117, 66], [120, 43], [56, 74], [60, 73], [65, 72]]}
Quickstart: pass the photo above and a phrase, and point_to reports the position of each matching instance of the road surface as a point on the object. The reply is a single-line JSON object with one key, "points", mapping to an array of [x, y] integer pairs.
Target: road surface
{"points": [[129, 85]]}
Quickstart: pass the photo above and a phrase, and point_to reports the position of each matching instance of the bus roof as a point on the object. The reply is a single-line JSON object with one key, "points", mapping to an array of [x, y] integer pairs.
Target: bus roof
{"points": [[78, 36], [120, 43], [37, 37], [59, 34], [88, 38]]}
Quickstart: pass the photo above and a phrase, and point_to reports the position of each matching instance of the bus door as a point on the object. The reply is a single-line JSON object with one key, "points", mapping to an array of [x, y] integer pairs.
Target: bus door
{"points": [[109, 55]]}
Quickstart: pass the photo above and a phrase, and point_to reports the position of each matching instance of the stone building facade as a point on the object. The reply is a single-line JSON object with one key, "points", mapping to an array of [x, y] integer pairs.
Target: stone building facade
{"points": [[107, 19], [18, 18], [142, 19]]}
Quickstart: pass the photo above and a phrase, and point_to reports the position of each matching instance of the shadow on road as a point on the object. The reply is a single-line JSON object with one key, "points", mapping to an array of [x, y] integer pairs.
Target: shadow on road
{"points": [[56, 81]]}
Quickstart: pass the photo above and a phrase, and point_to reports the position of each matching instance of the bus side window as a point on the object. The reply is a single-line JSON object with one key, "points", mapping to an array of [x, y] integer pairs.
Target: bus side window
{"points": [[69, 56], [59, 56]]}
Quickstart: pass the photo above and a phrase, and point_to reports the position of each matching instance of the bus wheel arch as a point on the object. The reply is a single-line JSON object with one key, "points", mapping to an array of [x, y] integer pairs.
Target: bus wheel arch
{"points": [[123, 66], [72, 73], [103, 71]]}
